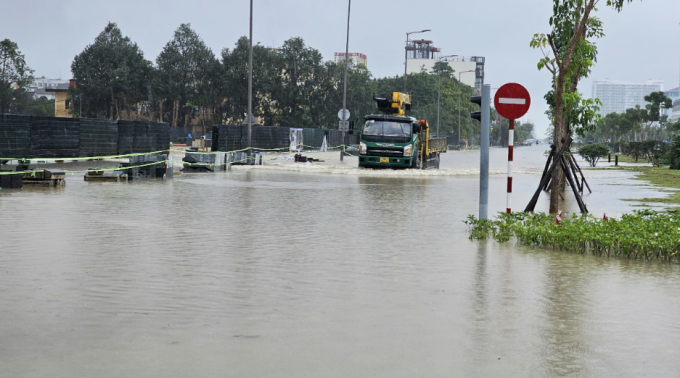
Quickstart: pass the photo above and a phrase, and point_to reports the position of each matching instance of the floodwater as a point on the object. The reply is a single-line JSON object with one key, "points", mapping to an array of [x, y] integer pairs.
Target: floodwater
{"points": [[328, 272]]}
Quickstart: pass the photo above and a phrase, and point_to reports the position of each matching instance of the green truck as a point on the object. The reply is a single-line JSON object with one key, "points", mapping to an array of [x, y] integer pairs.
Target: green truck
{"points": [[394, 140]]}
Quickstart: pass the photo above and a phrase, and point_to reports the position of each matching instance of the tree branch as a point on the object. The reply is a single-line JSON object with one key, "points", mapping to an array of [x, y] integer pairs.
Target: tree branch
{"points": [[552, 45]]}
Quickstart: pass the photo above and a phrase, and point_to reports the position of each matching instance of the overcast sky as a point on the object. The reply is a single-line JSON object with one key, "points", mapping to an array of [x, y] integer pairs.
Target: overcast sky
{"points": [[642, 42]]}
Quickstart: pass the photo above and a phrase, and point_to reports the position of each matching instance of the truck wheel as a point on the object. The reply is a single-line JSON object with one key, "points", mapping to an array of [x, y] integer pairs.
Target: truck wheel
{"points": [[416, 161]]}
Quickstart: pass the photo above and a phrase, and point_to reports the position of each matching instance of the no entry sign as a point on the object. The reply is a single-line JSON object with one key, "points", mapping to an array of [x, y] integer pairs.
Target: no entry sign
{"points": [[512, 101]]}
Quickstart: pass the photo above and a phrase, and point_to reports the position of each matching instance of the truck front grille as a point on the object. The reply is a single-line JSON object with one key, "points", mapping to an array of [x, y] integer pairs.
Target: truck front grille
{"points": [[384, 152]]}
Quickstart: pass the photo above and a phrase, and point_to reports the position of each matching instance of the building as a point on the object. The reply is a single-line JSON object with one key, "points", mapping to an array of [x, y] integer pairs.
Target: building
{"points": [[674, 95], [421, 54], [40, 85], [617, 96], [62, 99], [675, 114], [355, 59]]}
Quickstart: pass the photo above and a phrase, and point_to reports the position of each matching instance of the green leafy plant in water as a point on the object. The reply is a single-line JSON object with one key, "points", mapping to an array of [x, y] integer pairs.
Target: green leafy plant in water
{"points": [[645, 234]]}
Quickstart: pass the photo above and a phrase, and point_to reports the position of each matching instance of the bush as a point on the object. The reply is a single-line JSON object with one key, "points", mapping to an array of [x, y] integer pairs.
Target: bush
{"points": [[593, 152], [645, 234], [675, 153]]}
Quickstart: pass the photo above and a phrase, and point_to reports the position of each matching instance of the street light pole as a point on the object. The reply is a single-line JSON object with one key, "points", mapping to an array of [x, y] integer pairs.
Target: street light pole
{"points": [[460, 73], [250, 82], [344, 93], [439, 90], [406, 53]]}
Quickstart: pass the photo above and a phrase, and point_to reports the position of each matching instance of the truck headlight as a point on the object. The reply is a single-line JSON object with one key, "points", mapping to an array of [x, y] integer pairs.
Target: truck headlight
{"points": [[362, 148], [408, 150]]}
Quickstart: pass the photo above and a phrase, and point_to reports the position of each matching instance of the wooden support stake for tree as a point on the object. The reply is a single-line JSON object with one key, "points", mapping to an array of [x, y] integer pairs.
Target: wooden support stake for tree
{"points": [[583, 177], [547, 163], [544, 180], [574, 188], [570, 163]]}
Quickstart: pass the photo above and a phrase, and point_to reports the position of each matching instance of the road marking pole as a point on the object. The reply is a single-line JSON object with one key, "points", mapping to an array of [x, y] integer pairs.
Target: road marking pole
{"points": [[511, 139]]}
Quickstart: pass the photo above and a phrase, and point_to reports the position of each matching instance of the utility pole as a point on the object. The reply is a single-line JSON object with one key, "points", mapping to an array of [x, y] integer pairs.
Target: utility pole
{"points": [[406, 53], [250, 82], [344, 93]]}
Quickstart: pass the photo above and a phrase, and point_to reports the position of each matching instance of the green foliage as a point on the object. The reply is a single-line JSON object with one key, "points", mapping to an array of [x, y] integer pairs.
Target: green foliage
{"points": [[500, 127], [41, 107], [15, 76], [186, 68], [675, 153], [593, 152], [642, 235], [292, 85], [635, 124], [111, 75]]}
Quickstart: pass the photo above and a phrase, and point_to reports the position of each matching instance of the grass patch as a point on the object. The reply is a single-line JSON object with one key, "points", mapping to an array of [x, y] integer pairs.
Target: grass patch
{"points": [[630, 159], [645, 234], [660, 176]]}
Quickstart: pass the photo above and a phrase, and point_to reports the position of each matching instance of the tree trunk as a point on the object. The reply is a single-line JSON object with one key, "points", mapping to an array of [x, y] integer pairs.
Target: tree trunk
{"points": [[175, 112], [559, 133]]}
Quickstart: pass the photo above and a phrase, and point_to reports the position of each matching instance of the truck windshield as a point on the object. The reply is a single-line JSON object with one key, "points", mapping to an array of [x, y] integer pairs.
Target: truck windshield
{"points": [[387, 129]]}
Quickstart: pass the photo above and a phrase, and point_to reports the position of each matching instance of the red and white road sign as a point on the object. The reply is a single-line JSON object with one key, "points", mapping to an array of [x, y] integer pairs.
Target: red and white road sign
{"points": [[512, 101]]}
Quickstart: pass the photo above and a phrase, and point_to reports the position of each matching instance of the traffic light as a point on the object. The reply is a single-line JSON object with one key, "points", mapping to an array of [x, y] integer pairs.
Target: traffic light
{"points": [[476, 115]]}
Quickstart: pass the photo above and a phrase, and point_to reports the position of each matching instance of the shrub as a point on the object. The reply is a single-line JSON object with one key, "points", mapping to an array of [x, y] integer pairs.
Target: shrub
{"points": [[593, 152], [645, 234], [675, 153]]}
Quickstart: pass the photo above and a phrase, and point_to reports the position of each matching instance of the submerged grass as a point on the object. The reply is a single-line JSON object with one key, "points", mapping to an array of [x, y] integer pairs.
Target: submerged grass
{"points": [[645, 234], [659, 176]]}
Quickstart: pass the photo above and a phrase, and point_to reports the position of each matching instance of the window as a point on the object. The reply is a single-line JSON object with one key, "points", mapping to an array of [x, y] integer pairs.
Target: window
{"points": [[68, 103]]}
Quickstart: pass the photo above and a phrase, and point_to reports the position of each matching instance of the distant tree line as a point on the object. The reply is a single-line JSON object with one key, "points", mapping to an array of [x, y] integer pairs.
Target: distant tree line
{"points": [[292, 86], [15, 78], [636, 124]]}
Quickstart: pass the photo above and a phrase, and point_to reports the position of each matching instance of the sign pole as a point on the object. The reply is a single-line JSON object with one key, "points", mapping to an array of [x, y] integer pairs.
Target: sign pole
{"points": [[511, 140], [484, 154], [512, 101]]}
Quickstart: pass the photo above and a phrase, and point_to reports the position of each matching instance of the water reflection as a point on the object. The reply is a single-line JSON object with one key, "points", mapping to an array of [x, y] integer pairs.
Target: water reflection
{"points": [[264, 273]]}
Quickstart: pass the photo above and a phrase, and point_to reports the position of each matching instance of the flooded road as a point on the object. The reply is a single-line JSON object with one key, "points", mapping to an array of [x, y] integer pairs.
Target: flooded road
{"points": [[265, 272]]}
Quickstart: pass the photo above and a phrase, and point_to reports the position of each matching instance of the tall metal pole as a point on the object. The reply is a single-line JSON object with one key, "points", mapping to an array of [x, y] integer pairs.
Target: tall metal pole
{"points": [[459, 109], [484, 157], [405, 60], [406, 53], [439, 93], [344, 94], [250, 82]]}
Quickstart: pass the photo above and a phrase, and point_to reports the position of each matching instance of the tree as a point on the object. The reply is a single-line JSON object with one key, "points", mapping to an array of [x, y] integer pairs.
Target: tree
{"points": [[266, 81], [15, 75], [300, 71], [570, 58], [653, 109], [593, 152], [186, 70], [111, 75]]}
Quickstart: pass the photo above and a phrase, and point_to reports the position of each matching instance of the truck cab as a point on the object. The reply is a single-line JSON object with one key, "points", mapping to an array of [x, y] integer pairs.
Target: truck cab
{"points": [[388, 141], [394, 140]]}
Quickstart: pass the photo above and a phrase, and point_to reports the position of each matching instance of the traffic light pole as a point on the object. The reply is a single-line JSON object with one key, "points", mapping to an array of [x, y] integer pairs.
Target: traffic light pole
{"points": [[484, 156], [344, 92]]}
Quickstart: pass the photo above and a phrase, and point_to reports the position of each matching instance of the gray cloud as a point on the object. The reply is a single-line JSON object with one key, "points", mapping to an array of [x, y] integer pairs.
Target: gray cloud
{"points": [[642, 42]]}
